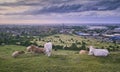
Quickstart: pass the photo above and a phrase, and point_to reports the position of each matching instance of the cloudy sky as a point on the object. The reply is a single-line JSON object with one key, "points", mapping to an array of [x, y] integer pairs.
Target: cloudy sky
{"points": [[59, 11]]}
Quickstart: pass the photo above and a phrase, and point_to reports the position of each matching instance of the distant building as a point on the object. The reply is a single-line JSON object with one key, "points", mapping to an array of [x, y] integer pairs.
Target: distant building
{"points": [[95, 34], [116, 30], [82, 34], [66, 31], [96, 27], [107, 35], [115, 38]]}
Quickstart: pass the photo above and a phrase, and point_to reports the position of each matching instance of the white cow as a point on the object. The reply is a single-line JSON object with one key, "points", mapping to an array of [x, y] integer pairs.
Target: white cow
{"points": [[98, 52], [48, 48]]}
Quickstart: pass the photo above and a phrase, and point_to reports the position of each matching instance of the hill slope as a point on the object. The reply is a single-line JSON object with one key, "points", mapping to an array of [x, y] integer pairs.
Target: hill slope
{"points": [[60, 61], [67, 40]]}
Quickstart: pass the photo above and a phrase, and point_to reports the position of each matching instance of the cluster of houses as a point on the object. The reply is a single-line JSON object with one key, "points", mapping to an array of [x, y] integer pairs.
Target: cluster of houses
{"points": [[105, 35], [95, 31]]}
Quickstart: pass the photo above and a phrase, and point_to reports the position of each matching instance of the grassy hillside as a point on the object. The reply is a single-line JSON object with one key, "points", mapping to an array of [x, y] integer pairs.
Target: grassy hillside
{"points": [[67, 40], [60, 61]]}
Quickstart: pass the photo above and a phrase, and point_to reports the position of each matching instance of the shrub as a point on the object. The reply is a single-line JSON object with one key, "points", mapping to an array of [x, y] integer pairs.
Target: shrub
{"points": [[57, 47], [83, 46]]}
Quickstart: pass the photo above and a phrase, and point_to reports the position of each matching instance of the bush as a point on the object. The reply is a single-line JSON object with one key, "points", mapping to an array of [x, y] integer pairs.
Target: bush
{"points": [[72, 47], [113, 48], [83, 46], [57, 36], [57, 47], [25, 43]]}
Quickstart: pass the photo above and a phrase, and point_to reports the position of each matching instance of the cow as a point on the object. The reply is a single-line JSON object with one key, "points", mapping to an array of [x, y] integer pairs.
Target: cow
{"points": [[35, 49], [83, 52], [17, 53], [48, 48], [98, 52]]}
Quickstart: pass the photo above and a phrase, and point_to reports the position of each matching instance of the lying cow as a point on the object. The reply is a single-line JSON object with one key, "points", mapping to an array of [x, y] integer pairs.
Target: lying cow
{"points": [[35, 49], [48, 48], [98, 52], [17, 53], [83, 52]]}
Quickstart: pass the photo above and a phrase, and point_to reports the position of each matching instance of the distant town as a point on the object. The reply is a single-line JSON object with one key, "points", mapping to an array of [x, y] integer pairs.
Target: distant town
{"points": [[102, 32]]}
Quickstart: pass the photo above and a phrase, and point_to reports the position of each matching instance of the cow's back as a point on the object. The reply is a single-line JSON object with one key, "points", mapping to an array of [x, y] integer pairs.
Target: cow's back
{"points": [[101, 52], [48, 46]]}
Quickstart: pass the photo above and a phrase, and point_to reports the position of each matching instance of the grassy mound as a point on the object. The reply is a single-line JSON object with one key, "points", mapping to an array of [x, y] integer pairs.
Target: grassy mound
{"points": [[60, 61]]}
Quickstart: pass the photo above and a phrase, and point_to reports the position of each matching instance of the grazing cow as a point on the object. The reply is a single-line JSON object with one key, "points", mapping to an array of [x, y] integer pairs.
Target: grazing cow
{"points": [[35, 49], [98, 52], [48, 48], [83, 52], [17, 53]]}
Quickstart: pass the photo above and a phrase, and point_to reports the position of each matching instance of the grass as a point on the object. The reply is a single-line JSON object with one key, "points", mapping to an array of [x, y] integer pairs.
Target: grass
{"points": [[60, 61]]}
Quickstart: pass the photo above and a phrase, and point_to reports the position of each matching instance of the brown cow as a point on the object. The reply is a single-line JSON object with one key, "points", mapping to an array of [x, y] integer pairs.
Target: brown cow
{"points": [[35, 49], [83, 52], [17, 53]]}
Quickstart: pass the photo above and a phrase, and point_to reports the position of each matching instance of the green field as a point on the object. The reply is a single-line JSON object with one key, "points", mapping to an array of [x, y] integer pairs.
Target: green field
{"points": [[60, 61]]}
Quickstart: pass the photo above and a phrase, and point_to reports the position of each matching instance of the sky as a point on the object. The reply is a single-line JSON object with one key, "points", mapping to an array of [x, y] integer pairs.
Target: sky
{"points": [[59, 11]]}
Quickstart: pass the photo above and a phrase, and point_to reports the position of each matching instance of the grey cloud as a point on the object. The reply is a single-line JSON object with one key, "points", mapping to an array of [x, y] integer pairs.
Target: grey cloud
{"points": [[109, 4], [35, 2], [19, 4], [2, 9], [68, 8], [64, 6], [61, 9]]}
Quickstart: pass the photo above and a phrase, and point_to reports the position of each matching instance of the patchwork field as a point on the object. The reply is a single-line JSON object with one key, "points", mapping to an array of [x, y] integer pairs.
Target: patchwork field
{"points": [[60, 61]]}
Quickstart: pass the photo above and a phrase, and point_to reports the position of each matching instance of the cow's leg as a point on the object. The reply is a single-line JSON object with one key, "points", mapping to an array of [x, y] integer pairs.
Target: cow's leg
{"points": [[49, 53]]}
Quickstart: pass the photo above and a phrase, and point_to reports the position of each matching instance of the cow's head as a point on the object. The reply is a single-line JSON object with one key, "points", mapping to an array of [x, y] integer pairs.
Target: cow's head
{"points": [[91, 49]]}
